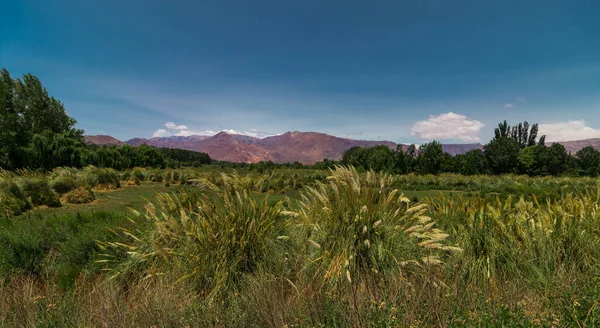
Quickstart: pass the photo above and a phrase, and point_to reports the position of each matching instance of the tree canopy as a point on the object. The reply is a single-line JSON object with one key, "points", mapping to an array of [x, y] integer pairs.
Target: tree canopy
{"points": [[37, 133]]}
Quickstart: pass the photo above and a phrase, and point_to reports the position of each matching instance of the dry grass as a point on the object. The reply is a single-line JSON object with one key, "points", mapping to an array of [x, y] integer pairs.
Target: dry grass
{"points": [[26, 302]]}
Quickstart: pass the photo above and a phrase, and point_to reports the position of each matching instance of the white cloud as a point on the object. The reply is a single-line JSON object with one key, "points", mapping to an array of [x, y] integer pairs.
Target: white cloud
{"points": [[448, 126], [173, 126], [568, 131], [353, 135], [508, 105], [521, 99], [184, 131], [187, 133], [161, 133]]}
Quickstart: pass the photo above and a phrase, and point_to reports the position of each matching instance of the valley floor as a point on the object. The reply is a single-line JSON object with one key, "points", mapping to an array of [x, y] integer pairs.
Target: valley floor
{"points": [[302, 248]]}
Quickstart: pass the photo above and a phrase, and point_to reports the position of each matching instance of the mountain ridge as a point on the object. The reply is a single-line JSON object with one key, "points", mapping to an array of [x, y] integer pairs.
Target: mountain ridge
{"points": [[303, 147]]}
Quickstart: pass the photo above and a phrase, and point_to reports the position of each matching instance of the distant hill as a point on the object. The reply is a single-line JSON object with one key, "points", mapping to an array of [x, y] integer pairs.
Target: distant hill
{"points": [[455, 149], [103, 140], [304, 147], [168, 142], [575, 146]]}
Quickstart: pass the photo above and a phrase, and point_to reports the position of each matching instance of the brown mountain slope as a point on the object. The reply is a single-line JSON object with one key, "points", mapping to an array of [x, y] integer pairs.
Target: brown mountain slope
{"points": [[222, 146], [225, 147], [311, 147], [574, 146], [304, 147], [102, 140], [187, 142]]}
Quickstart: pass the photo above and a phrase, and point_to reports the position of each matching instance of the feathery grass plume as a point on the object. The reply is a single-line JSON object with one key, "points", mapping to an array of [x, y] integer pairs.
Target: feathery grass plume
{"points": [[212, 240], [360, 231], [522, 240]]}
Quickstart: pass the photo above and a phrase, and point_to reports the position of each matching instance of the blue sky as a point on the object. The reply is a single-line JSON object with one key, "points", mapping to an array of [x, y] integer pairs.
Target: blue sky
{"points": [[405, 71]]}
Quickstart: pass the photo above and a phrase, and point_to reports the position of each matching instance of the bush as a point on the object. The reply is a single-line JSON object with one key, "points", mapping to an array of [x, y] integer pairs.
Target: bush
{"points": [[11, 205], [63, 184], [155, 176], [80, 195], [102, 179], [37, 190], [139, 174], [133, 181], [125, 175]]}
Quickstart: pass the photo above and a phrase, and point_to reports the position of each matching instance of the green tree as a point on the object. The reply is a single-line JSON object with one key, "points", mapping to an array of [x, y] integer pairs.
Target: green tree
{"points": [[557, 159], [410, 157], [588, 159], [521, 133], [431, 157], [26, 111], [471, 162], [527, 160], [355, 156], [8, 121], [502, 155], [48, 150], [37, 110], [400, 161], [380, 158]]}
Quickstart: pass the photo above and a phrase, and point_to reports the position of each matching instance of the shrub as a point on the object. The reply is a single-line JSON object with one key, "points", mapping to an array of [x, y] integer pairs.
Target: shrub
{"points": [[133, 181], [101, 179], [37, 190], [12, 205], [155, 176], [139, 174], [80, 195], [125, 175], [63, 184]]}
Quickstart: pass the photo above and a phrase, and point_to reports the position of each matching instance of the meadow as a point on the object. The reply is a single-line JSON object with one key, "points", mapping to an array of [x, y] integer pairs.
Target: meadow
{"points": [[213, 247]]}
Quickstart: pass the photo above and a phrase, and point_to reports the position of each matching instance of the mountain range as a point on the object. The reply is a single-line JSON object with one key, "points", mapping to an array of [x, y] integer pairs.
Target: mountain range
{"points": [[304, 147]]}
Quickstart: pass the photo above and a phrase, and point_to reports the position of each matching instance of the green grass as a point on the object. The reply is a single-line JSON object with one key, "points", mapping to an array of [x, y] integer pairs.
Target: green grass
{"points": [[527, 263], [116, 201]]}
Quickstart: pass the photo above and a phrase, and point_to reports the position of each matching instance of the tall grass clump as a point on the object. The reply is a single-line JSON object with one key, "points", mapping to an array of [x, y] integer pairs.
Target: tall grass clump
{"points": [[522, 254], [364, 240], [523, 240], [64, 184], [37, 190], [101, 178], [81, 195], [212, 240], [12, 198]]}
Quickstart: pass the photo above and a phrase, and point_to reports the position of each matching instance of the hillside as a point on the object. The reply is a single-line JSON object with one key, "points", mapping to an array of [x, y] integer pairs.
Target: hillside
{"points": [[304, 147], [574, 146], [102, 140]]}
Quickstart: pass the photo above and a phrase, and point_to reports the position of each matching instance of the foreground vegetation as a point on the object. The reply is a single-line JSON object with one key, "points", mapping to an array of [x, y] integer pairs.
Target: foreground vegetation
{"points": [[298, 248]]}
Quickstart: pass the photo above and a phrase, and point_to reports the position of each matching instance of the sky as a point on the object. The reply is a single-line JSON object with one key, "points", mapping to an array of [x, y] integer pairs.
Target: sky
{"points": [[404, 71]]}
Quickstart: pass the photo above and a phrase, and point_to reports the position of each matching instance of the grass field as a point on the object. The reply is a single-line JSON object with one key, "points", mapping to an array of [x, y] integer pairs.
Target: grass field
{"points": [[292, 249]]}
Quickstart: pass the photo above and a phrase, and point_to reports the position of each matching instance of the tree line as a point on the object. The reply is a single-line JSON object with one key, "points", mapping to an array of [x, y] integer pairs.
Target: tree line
{"points": [[37, 133], [514, 149]]}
